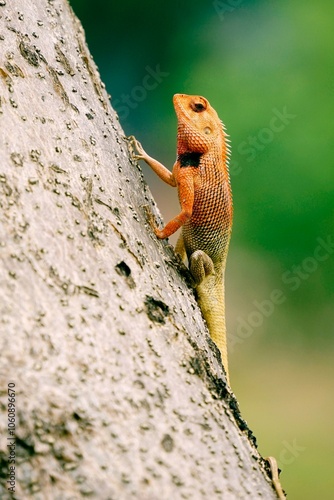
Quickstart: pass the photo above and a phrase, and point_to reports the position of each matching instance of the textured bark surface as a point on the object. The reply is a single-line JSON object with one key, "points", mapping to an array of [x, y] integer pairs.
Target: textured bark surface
{"points": [[119, 392]]}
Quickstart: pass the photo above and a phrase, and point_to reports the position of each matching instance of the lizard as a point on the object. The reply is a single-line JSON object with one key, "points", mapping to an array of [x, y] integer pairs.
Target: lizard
{"points": [[201, 176]]}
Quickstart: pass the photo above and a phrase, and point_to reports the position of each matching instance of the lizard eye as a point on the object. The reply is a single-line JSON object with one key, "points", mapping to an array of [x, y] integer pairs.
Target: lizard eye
{"points": [[198, 106]]}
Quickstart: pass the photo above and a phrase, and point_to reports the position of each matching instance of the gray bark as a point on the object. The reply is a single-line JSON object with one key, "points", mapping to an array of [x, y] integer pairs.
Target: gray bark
{"points": [[119, 393]]}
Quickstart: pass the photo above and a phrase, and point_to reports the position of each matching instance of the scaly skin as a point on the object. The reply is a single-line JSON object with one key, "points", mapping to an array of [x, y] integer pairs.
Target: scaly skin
{"points": [[201, 175]]}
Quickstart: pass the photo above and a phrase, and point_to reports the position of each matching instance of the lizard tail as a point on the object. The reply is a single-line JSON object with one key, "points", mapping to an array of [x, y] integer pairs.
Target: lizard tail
{"points": [[211, 299]]}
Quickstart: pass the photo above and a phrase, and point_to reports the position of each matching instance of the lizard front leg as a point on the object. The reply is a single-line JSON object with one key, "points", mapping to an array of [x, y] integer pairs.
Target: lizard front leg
{"points": [[185, 184], [163, 172]]}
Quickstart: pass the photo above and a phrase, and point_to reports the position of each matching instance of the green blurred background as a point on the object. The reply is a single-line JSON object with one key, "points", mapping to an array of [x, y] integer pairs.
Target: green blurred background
{"points": [[268, 69]]}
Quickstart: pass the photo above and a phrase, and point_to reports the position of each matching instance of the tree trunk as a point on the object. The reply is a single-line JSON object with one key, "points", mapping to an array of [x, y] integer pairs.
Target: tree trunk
{"points": [[110, 385]]}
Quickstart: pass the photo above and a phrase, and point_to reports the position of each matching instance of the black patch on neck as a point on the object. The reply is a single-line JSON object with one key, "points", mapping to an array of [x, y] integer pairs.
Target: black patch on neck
{"points": [[189, 159]]}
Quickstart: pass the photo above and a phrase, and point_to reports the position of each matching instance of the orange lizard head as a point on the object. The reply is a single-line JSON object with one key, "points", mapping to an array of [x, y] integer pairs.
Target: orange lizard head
{"points": [[199, 127]]}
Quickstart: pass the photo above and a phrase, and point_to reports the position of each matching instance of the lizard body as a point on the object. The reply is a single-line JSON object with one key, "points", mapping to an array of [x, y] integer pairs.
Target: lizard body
{"points": [[201, 175]]}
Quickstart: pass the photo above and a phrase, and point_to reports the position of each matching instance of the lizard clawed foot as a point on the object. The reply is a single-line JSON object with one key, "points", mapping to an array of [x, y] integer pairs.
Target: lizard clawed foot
{"points": [[201, 266], [150, 219], [142, 155]]}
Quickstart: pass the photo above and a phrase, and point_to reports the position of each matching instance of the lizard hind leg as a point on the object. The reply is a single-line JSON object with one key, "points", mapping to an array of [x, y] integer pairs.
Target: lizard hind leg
{"points": [[201, 266]]}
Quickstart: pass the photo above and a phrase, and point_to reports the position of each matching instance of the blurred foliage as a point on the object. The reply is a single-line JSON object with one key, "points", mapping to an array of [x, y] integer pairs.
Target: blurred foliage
{"points": [[268, 69]]}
